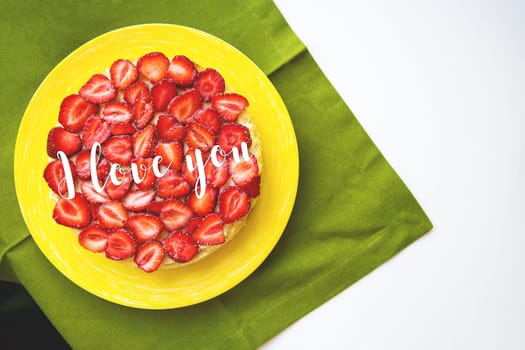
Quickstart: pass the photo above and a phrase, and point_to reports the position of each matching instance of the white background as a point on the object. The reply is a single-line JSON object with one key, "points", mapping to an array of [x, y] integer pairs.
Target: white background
{"points": [[440, 88]]}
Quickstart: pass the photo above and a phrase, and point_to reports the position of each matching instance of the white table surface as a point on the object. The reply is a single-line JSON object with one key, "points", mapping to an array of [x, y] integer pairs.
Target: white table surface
{"points": [[440, 88]]}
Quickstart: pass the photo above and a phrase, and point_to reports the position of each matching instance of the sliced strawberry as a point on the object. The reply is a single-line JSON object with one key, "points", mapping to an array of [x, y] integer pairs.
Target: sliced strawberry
{"points": [[253, 188], [244, 172], [204, 205], [138, 200], [209, 118], [199, 136], [123, 73], [171, 154], [149, 256], [112, 214], [143, 142], [192, 224], [172, 185], [153, 66], [233, 204], [94, 238], [183, 106], [209, 83], [229, 106], [93, 208], [190, 176], [95, 130], [92, 195], [72, 212], [118, 149], [137, 91], [120, 190], [74, 111], [175, 214], [145, 227], [59, 139], [145, 173], [142, 112], [169, 129], [55, 176], [116, 112], [162, 93], [155, 207], [122, 129], [210, 231], [120, 245], [231, 135], [180, 247], [182, 71], [216, 176], [98, 89]]}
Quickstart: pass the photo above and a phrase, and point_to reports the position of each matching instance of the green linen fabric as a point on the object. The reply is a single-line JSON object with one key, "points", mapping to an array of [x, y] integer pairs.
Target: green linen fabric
{"points": [[352, 211]]}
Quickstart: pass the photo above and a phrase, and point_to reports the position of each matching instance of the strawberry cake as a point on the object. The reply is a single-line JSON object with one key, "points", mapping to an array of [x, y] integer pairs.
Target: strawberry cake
{"points": [[155, 162]]}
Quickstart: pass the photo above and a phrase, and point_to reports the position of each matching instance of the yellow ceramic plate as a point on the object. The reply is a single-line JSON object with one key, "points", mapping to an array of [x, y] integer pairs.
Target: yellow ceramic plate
{"points": [[124, 283]]}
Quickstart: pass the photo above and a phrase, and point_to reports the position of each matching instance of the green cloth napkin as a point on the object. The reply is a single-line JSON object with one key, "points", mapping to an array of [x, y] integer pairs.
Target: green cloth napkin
{"points": [[352, 211]]}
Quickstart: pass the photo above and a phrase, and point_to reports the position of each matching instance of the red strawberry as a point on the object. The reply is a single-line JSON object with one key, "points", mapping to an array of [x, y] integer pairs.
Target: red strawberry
{"points": [[93, 208], [155, 207], [74, 111], [172, 185], [244, 172], [162, 93], [122, 129], [199, 136], [171, 154], [182, 71], [233, 204], [123, 73], [143, 142], [175, 214], [190, 176], [142, 112], [120, 245], [169, 129], [116, 112], [59, 139], [206, 204], [183, 106], [118, 149], [120, 190], [55, 176], [180, 247], [192, 224], [209, 118], [137, 91], [112, 214], [95, 130], [91, 194], [209, 83], [210, 231], [72, 212], [145, 173], [149, 256], [231, 135], [138, 200], [229, 106], [253, 188], [153, 66], [94, 238], [98, 89], [216, 176], [82, 164], [145, 227]]}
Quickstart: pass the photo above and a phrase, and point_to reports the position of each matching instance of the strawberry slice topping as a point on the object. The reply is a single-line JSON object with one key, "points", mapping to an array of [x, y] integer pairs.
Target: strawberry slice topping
{"points": [[183, 106], [233, 204], [120, 245], [98, 89], [209, 118], [118, 149], [145, 173], [142, 112], [204, 205], [143, 142], [116, 112], [72, 212], [169, 129], [149, 256], [180, 247], [192, 224], [190, 176], [120, 190], [55, 176], [216, 176], [145, 227], [74, 111], [210, 231], [94, 238], [229, 106], [155, 207], [123, 73], [138, 200], [122, 129], [162, 93], [209, 83], [171, 154], [95, 130], [153, 66], [244, 172], [199, 136], [112, 214], [91, 194], [182, 71], [59, 139], [231, 135], [172, 185], [253, 188], [175, 214], [137, 91]]}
